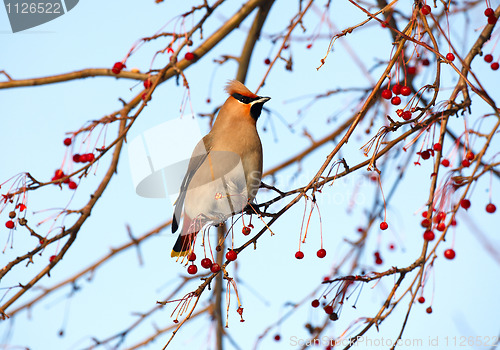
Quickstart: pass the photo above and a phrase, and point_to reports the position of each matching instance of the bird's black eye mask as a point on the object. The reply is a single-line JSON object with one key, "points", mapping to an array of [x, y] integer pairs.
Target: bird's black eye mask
{"points": [[244, 99]]}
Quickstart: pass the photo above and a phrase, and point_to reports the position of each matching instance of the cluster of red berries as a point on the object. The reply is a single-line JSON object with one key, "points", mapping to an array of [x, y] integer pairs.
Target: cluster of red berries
{"points": [[59, 174], [12, 215], [206, 263], [438, 222], [247, 229], [427, 153], [406, 115], [469, 157], [83, 158], [490, 14], [378, 259], [488, 59], [321, 253], [397, 89], [78, 158], [421, 300], [117, 67]]}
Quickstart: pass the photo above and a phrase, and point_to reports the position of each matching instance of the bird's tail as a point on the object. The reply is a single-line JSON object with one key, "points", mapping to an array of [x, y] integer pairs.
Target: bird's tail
{"points": [[186, 238]]}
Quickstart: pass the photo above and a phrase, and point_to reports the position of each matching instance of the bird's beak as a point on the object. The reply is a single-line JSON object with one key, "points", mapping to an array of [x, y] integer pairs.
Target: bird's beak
{"points": [[261, 100]]}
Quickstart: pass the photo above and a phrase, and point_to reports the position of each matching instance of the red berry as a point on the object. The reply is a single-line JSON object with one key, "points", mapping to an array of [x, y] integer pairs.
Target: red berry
{"points": [[392, 246], [405, 91], [117, 67], [72, 185], [329, 309], [206, 263], [489, 12], [425, 62], [76, 158], [412, 70], [440, 217], [277, 337], [429, 310], [426, 9], [396, 89], [147, 83], [429, 235], [9, 224], [421, 300], [387, 94], [465, 203], [315, 303], [52, 258], [470, 155], [465, 163], [58, 174], [379, 261], [425, 154], [309, 46], [445, 163], [83, 158], [492, 19], [90, 157], [246, 230], [215, 268], [488, 58], [67, 141], [192, 269], [231, 255], [441, 226], [453, 222], [189, 56], [495, 66], [437, 147], [267, 61], [192, 257], [384, 225], [491, 208], [396, 100], [450, 57], [449, 254], [384, 24], [425, 223], [299, 255], [321, 253], [406, 115]]}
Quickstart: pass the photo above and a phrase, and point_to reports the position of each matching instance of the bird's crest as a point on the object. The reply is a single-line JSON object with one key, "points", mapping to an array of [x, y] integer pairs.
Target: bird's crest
{"points": [[236, 87]]}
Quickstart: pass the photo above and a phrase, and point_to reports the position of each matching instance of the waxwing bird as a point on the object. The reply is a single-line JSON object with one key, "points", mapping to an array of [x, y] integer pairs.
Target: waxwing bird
{"points": [[225, 169]]}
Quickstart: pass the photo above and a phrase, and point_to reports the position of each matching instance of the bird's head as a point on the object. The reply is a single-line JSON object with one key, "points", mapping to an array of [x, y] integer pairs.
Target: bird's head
{"points": [[242, 98]]}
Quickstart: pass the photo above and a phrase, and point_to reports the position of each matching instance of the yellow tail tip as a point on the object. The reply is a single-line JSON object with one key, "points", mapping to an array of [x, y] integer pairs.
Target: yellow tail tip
{"points": [[175, 254]]}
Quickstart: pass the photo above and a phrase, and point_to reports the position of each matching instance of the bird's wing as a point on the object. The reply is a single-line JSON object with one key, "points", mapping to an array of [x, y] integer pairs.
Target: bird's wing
{"points": [[200, 153]]}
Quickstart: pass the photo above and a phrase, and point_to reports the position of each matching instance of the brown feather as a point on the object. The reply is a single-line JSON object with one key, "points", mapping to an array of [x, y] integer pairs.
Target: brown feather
{"points": [[236, 87]]}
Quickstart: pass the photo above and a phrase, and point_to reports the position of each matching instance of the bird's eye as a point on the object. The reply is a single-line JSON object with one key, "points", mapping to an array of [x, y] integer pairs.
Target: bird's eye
{"points": [[242, 99]]}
